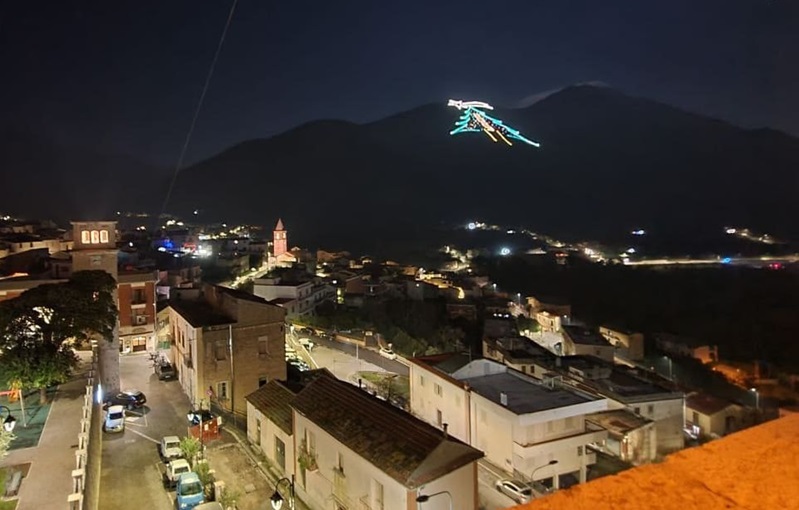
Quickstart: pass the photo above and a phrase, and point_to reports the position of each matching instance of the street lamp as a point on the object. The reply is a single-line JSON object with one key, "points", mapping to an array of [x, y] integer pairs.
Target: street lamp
{"points": [[10, 422], [277, 499], [550, 463], [422, 498], [757, 398]]}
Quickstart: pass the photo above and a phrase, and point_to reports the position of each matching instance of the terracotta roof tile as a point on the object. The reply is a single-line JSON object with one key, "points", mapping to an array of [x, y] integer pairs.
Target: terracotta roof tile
{"points": [[405, 448], [273, 400]]}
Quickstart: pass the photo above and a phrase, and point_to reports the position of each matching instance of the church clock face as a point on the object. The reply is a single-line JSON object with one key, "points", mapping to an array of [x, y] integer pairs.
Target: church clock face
{"points": [[96, 260]]}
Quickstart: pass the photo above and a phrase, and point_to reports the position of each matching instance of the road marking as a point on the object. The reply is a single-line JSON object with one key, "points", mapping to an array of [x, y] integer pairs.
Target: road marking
{"points": [[145, 436]]}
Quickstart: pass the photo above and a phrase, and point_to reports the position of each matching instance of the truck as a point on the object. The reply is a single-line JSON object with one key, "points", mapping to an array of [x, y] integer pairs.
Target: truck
{"points": [[172, 471], [169, 448], [190, 491]]}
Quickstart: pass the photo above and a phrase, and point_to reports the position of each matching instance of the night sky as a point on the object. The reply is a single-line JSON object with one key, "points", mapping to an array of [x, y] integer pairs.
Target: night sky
{"points": [[125, 76]]}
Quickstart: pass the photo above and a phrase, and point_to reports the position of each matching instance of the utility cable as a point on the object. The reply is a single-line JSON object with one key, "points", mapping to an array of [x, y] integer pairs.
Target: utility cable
{"points": [[197, 112]]}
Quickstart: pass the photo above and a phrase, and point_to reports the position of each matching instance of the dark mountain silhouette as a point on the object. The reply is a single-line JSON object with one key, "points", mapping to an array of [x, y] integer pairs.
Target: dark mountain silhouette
{"points": [[42, 179], [609, 162]]}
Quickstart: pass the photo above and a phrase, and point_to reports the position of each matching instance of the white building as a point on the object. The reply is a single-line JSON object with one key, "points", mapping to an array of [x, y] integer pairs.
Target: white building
{"points": [[626, 388], [298, 298], [522, 424], [352, 450]]}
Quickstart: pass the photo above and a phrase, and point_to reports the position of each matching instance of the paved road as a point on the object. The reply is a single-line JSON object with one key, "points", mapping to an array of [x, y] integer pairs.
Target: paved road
{"points": [[490, 498], [130, 478], [362, 353]]}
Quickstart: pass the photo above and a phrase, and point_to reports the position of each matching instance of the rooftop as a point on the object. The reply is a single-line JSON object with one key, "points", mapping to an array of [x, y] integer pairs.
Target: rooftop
{"points": [[622, 382], [585, 336], [405, 448], [199, 313], [745, 470], [274, 400], [524, 396], [620, 421], [706, 404]]}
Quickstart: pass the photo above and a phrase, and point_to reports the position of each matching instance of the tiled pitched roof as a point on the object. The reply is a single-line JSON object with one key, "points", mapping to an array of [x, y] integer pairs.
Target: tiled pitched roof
{"points": [[405, 448], [273, 400], [706, 404]]}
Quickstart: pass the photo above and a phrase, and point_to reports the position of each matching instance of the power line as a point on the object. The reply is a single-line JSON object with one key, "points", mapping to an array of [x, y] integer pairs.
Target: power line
{"points": [[197, 110]]}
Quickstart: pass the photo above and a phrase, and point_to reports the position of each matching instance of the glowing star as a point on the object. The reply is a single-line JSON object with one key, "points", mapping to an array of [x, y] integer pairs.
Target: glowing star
{"points": [[474, 119]]}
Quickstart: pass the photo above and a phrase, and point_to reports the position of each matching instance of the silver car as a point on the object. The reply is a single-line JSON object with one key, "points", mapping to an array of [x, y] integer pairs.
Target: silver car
{"points": [[516, 490]]}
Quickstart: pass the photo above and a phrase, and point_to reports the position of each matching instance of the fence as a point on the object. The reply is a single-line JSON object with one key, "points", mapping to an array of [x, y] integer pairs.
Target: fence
{"points": [[84, 473]]}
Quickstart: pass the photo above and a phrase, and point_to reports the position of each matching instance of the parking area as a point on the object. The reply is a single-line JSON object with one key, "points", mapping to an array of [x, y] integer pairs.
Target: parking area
{"points": [[130, 478]]}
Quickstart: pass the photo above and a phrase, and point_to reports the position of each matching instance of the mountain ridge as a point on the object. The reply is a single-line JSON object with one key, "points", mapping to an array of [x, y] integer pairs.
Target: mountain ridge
{"points": [[609, 162]]}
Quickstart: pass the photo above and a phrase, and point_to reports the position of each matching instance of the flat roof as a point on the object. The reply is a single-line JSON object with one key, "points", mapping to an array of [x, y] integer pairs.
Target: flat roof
{"points": [[199, 313], [621, 381], [524, 395], [583, 336]]}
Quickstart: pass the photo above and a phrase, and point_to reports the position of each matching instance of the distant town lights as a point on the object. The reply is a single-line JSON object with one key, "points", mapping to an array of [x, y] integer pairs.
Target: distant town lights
{"points": [[471, 226], [630, 250], [504, 251], [638, 232]]}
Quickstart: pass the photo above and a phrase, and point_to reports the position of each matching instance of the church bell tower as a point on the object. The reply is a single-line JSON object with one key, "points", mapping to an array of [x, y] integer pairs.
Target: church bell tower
{"points": [[279, 239]]}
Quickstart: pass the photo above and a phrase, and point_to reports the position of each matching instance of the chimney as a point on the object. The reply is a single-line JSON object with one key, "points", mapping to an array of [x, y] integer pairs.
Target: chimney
{"points": [[445, 426], [503, 399]]}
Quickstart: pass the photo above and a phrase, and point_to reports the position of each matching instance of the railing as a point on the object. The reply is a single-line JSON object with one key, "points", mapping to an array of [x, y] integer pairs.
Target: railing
{"points": [[76, 498]]}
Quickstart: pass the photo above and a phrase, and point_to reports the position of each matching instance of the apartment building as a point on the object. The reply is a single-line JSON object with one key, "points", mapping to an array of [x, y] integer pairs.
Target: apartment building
{"points": [[350, 450], [629, 344], [521, 423], [225, 344], [582, 341], [627, 388]]}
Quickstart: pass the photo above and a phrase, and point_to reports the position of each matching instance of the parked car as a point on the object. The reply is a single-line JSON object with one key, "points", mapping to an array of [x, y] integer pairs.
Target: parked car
{"points": [[388, 353], [169, 448], [114, 419], [171, 471], [130, 399], [165, 370], [516, 490], [190, 492], [307, 343]]}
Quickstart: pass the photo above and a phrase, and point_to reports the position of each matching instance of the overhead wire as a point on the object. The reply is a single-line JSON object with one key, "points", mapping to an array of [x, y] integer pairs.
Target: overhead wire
{"points": [[186, 143]]}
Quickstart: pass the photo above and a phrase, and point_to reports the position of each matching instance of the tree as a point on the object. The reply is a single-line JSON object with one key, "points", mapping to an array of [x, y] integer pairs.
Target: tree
{"points": [[190, 447], [5, 442], [36, 326]]}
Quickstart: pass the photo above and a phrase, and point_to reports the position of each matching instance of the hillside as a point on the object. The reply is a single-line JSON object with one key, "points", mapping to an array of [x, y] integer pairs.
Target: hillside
{"points": [[608, 162]]}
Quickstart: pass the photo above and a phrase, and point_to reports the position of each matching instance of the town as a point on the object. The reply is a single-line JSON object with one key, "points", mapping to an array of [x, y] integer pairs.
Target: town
{"points": [[239, 369]]}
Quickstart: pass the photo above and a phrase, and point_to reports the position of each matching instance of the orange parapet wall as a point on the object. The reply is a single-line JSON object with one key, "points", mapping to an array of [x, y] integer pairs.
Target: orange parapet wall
{"points": [[752, 469]]}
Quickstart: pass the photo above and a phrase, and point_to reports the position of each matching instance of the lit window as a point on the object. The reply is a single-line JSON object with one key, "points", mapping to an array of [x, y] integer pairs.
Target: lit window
{"points": [[95, 237], [103, 236], [85, 237]]}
